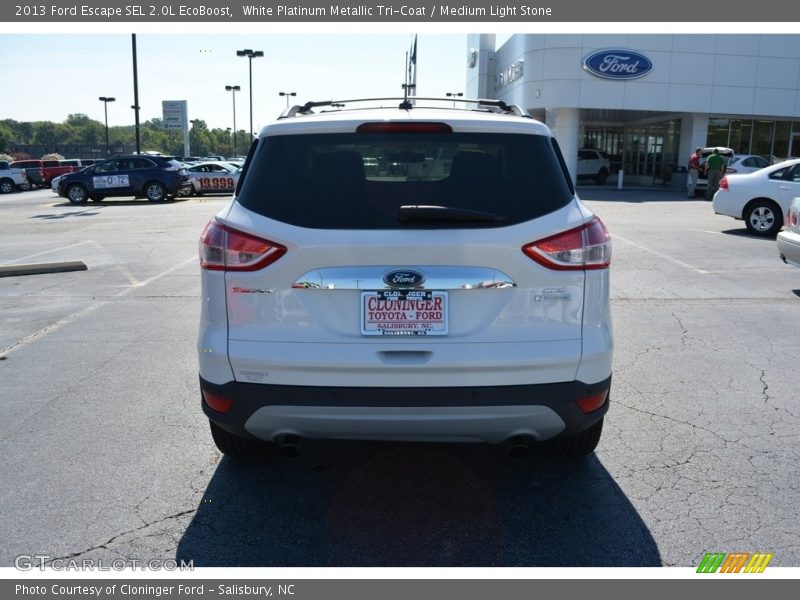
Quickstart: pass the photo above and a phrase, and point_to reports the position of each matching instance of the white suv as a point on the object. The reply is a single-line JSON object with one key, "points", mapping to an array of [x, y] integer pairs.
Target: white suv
{"points": [[593, 164], [464, 303]]}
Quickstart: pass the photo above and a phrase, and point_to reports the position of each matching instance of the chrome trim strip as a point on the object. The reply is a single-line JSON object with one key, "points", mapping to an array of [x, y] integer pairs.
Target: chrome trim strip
{"points": [[436, 278]]}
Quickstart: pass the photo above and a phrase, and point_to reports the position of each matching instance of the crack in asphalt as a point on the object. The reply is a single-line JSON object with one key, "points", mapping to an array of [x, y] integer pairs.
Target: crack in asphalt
{"points": [[105, 545]]}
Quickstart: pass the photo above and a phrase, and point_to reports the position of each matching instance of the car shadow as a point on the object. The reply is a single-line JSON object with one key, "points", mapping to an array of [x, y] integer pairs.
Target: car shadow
{"points": [[123, 202], [745, 233], [431, 505], [634, 195]]}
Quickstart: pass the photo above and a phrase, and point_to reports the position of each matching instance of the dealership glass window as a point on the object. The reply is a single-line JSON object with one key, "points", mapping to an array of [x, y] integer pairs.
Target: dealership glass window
{"points": [[774, 140], [794, 147], [762, 139], [740, 133], [718, 130], [780, 149], [652, 150]]}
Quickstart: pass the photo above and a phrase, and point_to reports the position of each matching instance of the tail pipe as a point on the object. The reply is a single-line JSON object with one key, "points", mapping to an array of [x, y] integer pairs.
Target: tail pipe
{"points": [[288, 445], [520, 446]]}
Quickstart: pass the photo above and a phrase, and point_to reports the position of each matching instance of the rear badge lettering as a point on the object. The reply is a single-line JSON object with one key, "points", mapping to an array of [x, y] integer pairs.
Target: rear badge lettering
{"points": [[553, 295], [241, 290], [403, 279]]}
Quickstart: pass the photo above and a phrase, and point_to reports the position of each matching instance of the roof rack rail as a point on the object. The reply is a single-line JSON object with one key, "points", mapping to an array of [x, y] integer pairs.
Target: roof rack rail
{"points": [[406, 104]]}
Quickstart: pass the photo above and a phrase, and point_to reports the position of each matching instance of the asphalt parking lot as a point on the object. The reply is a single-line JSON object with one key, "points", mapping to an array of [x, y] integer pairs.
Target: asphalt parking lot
{"points": [[107, 453]]}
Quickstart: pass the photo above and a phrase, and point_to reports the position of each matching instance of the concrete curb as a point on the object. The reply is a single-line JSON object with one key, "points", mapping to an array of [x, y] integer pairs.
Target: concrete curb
{"points": [[41, 268]]}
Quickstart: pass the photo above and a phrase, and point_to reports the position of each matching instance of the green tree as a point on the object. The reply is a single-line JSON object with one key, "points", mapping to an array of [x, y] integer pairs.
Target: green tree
{"points": [[84, 130], [6, 137]]}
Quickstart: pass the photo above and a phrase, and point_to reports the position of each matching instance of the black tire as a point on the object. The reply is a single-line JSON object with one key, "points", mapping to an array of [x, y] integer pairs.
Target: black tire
{"points": [[6, 186], [763, 218], [602, 177], [580, 444], [77, 194], [155, 191], [237, 447]]}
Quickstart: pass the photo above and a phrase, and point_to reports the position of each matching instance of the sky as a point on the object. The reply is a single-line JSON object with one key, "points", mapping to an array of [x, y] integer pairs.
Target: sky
{"points": [[49, 75], [57, 75]]}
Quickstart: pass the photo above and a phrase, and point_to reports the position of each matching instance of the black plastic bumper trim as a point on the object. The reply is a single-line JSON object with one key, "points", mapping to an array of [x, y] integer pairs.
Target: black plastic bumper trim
{"points": [[560, 397]]}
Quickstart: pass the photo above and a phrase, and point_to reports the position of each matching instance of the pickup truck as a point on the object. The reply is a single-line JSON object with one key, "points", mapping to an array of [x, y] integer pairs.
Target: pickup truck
{"points": [[48, 170], [11, 178], [34, 170]]}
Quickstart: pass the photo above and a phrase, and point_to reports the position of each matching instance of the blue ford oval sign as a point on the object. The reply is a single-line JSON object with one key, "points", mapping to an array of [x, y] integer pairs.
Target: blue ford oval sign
{"points": [[618, 64], [403, 279]]}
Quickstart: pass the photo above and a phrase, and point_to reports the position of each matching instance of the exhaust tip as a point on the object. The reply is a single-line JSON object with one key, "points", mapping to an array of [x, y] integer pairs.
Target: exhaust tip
{"points": [[520, 446], [288, 445]]}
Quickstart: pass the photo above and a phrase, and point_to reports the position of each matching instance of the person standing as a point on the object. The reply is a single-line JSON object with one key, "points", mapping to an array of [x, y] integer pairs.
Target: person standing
{"points": [[714, 167], [694, 172]]}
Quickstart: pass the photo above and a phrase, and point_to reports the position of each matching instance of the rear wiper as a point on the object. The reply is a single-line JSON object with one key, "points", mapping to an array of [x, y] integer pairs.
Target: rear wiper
{"points": [[425, 212]]}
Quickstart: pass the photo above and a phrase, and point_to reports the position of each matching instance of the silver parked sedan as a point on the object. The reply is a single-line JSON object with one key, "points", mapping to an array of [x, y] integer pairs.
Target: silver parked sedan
{"points": [[213, 177], [789, 238]]}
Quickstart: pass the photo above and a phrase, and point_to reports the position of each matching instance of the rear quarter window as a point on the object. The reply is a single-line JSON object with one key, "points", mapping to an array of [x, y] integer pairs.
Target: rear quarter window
{"points": [[360, 181]]}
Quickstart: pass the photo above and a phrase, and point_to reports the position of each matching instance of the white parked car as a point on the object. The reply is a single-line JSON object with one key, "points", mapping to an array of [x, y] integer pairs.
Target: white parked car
{"points": [[593, 164], [471, 305], [212, 177], [789, 238], [761, 198]]}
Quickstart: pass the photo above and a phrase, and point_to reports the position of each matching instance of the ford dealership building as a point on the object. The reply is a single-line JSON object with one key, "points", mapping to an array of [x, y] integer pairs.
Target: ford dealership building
{"points": [[649, 100]]}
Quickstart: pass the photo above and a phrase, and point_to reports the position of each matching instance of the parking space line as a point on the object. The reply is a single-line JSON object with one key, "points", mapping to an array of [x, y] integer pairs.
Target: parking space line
{"points": [[10, 262], [87, 309], [660, 255], [160, 275]]}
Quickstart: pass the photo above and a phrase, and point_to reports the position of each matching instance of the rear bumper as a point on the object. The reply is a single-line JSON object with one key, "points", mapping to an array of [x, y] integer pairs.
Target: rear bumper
{"points": [[490, 414], [789, 247]]}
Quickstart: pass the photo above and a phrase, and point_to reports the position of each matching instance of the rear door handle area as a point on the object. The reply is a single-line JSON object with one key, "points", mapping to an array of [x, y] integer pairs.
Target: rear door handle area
{"points": [[404, 357]]}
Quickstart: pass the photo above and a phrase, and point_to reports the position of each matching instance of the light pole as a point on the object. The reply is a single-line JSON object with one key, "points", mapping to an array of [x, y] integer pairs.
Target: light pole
{"points": [[233, 89], [287, 94], [105, 100], [454, 95], [250, 54]]}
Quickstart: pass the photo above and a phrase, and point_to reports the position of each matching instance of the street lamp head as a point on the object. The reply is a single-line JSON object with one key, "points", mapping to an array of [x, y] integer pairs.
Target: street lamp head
{"points": [[233, 88], [106, 99], [287, 93], [250, 53], [456, 94]]}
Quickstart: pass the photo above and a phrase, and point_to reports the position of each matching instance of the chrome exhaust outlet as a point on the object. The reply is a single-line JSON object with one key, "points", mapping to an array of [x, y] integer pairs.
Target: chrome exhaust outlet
{"points": [[520, 446], [288, 445]]}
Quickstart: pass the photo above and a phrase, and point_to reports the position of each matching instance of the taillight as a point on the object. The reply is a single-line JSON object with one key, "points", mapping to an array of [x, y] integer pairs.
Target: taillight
{"points": [[791, 218], [404, 127], [585, 247], [221, 404], [592, 403], [723, 183], [223, 248]]}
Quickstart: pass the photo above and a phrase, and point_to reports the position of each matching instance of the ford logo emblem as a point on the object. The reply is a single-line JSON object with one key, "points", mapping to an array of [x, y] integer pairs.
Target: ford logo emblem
{"points": [[618, 64], [403, 279]]}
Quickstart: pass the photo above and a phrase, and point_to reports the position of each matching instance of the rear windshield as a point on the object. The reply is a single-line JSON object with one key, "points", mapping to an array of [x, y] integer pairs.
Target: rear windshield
{"points": [[358, 181]]}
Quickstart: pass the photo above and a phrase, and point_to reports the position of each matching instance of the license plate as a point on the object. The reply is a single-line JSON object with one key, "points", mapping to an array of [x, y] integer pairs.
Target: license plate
{"points": [[404, 312]]}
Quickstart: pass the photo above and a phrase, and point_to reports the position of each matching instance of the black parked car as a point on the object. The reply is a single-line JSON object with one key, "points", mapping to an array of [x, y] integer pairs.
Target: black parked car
{"points": [[153, 177]]}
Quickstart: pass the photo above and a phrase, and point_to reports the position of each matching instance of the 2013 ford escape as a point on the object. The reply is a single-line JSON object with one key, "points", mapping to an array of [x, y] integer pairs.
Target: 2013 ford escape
{"points": [[415, 273]]}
